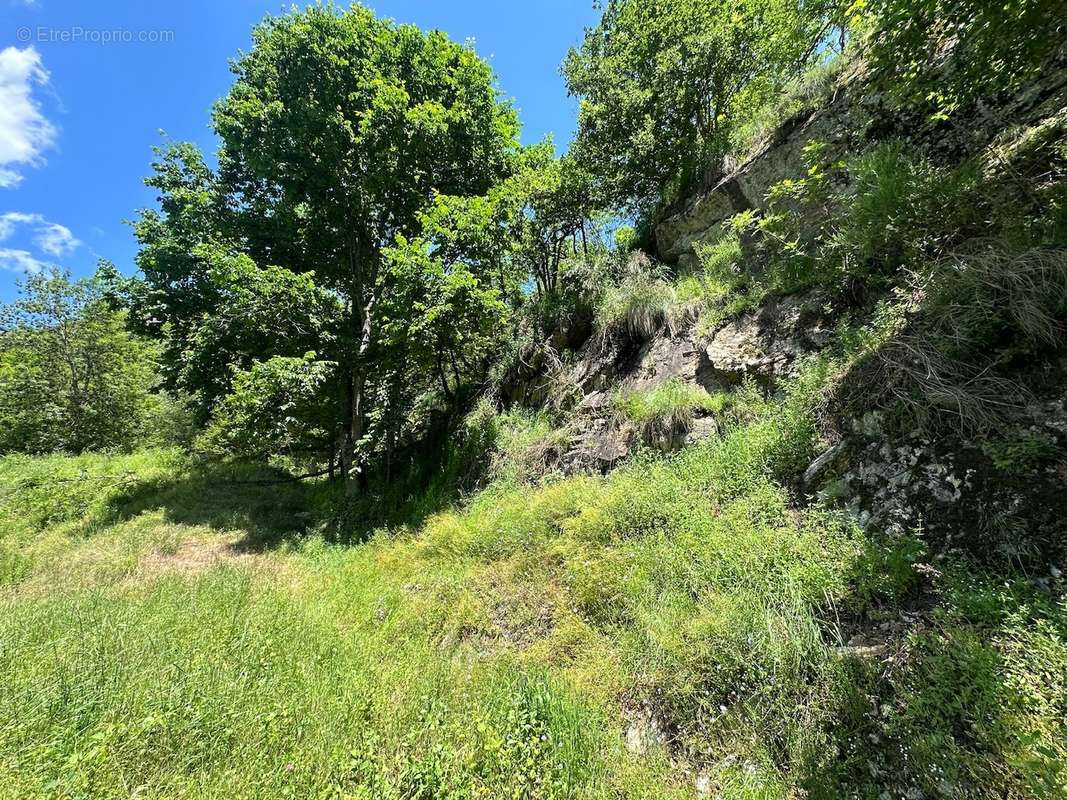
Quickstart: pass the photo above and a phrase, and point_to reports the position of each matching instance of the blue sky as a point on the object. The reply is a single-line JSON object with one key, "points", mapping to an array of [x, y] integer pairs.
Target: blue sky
{"points": [[86, 88]]}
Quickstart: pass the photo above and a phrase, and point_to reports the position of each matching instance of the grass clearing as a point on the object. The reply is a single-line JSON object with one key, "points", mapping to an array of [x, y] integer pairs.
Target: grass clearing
{"points": [[508, 647]]}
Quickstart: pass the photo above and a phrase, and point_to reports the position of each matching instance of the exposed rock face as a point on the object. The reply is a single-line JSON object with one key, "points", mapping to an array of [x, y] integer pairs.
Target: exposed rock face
{"points": [[765, 344], [644, 733], [899, 486], [746, 186], [599, 447], [973, 495], [857, 116]]}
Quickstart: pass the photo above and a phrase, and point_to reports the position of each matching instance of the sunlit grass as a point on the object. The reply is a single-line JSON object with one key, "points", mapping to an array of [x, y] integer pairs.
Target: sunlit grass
{"points": [[505, 648]]}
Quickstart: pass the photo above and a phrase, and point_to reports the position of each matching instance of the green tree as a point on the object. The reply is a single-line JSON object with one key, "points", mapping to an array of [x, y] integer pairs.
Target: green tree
{"points": [[72, 377], [555, 198], [439, 315], [660, 83], [988, 46], [338, 132]]}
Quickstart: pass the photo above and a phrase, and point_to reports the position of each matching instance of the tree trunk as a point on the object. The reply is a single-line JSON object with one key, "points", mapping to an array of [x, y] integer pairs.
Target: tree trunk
{"points": [[346, 444], [363, 263], [356, 481]]}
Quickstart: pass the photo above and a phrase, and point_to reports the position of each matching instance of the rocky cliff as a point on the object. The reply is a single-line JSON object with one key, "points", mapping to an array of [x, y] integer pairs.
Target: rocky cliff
{"points": [[954, 484]]}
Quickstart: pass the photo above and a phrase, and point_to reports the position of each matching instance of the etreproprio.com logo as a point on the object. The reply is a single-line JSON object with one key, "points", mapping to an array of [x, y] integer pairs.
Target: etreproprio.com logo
{"points": [[79, 35]]}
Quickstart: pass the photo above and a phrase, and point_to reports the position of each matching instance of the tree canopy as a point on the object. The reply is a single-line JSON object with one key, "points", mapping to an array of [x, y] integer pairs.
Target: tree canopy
{"points": [[661, 82], [340, 134]]}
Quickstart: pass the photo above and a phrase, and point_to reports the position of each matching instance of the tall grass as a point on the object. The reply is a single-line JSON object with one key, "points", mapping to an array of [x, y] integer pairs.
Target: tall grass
{"points": [[635, 308], [666, 411], [503, 648]]}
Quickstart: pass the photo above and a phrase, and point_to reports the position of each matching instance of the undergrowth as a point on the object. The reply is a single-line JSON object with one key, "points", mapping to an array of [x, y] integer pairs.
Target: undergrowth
{"points": [[503, 648], [667, 410]]}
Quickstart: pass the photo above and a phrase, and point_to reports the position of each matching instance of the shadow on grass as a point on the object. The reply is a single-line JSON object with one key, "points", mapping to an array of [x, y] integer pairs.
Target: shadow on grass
{"points": [[273, 510], [263, 502]]}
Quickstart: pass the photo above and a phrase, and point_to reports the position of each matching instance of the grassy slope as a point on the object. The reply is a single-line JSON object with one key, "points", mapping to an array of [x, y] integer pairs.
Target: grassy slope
{"points": [[165, 633]]}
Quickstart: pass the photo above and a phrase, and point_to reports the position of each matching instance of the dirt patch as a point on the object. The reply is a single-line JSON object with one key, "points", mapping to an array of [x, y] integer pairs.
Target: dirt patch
{"points": [[195, 556]]}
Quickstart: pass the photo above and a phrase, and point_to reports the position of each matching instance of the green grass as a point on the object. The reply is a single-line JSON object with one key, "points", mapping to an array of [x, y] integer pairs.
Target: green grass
{"points": [[807, 93], [668, 409], [636, 308], [527, 443], [502, 648]]}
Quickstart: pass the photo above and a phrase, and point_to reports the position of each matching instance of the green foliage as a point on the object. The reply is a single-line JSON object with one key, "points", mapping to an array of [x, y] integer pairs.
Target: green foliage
{"points": [[326, 245], [274, 408], [723, 286], [904, 210], [439, 315], [637, 306], [1022, 451], [45, 491], [556, 202], [71, 377], [484, 653], [948, 54], [997, 295], [900, 213], [980, 685], [508, 627], [178, 242], [662, 85], [804, 94], [668, 409], [410, 115], [257, 313], [979, 278], [527, 446]]}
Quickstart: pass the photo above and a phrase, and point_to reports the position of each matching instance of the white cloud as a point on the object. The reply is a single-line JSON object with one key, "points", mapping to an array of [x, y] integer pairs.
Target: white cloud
{"points": [[55, 239], [24, 131], [49, 237], [11, 220], [20, 261]]}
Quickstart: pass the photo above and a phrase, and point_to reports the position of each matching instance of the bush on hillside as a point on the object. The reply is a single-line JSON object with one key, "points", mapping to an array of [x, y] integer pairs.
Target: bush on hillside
{"points": [[635, 308], [666, 411], [72, 377]]}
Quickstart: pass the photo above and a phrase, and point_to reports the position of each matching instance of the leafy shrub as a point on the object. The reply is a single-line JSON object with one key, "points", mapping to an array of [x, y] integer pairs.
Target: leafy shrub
{"points": [[1020, 452], [724, 284], [947, 54], [274, 408], [803, 94], [71, 376]]}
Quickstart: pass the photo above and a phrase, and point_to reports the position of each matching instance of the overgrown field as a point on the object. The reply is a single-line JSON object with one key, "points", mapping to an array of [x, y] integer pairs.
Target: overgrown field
{"points": [[171, 629]]}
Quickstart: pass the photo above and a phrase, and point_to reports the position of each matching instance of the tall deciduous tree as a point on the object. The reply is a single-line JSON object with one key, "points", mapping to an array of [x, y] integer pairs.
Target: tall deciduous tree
{"points": [[338, 131]]}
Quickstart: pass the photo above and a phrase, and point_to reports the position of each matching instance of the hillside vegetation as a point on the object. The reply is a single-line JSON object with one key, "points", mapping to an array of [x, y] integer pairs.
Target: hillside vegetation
{"points": [[406, 468]]}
